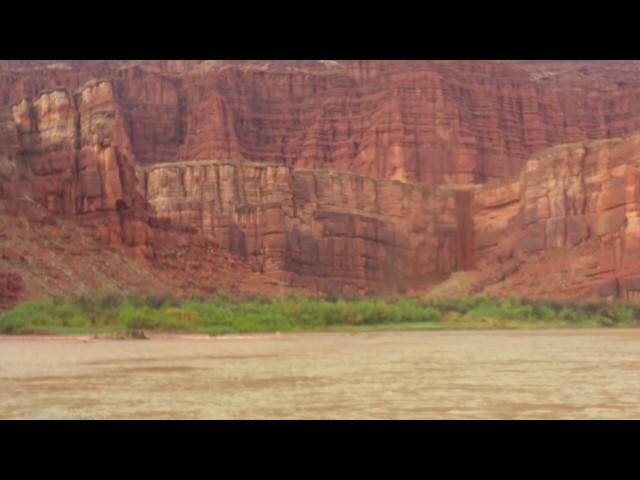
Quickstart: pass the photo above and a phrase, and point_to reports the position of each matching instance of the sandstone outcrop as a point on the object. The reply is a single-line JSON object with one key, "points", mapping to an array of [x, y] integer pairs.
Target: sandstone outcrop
{"points": [[428, 122], [567, 225], [318, 176], [318, 229], [74, 216]]}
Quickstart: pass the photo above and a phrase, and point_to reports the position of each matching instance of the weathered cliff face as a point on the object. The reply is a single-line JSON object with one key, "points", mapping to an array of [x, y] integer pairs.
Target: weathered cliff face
{"points": [[72, 149], [431, 122], [69, 196], [347, 176], [319, 229], [72, 154], [567, 226]]}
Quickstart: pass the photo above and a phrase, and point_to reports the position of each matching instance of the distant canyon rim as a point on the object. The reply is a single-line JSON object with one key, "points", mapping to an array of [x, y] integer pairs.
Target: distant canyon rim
{"points": [[434, 178]]}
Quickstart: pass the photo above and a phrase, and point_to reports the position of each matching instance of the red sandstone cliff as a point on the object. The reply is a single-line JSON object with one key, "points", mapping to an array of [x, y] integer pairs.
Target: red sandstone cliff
{"points": [[73, 211], [434, 122], [310, 227], [568, 225], [318, 175]]}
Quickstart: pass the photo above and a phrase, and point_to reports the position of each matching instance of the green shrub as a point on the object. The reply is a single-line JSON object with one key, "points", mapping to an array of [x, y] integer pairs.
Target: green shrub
{"points": [[429, 314], [623, 315], [604, 320], [222, 313], [571, 315], [485, 310], [106, 301], [138, 318], [543, 312], [596, 309]]}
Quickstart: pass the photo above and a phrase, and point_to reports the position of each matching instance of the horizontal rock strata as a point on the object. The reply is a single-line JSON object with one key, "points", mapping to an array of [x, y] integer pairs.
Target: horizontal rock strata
{"points": [[506, 178], [319, 229], [428, 122], [568, 225]]}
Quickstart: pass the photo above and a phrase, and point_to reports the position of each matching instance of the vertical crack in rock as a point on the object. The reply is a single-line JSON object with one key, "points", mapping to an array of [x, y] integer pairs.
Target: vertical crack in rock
{"points": [[464, 216]]}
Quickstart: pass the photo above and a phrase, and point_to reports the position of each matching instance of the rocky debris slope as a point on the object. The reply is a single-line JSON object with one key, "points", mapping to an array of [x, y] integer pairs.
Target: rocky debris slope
{"points": [[42, 256]]}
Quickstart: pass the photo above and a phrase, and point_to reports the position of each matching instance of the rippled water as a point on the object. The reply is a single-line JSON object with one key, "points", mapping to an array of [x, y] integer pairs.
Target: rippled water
{"points": [[412, 375]]}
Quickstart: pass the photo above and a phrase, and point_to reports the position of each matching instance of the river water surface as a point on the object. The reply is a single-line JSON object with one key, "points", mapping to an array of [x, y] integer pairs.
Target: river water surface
{"points": [[520, 374]]}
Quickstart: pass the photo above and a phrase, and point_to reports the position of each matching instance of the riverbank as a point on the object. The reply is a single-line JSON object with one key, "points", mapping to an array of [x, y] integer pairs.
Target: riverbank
{"points": [[89, 335], [111, 316]]}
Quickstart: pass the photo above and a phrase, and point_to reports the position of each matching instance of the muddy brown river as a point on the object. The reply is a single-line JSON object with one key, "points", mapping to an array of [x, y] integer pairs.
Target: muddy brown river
{"points": [[518, 374]]}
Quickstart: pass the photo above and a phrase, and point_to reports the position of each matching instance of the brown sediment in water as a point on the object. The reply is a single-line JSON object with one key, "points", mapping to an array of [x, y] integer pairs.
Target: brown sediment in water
{"points": [[436, 374]]}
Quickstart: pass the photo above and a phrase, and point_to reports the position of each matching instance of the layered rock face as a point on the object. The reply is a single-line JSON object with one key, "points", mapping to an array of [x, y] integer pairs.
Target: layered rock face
{"points": [[69, 195], [71, 153], [429, 122], [567, 226], [314, 228], [319, 176]]}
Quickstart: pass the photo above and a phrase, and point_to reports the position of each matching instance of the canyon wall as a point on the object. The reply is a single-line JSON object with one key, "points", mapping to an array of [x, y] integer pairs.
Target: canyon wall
{"points": [[320, 229], [73, 213], [419, 121], [324, 231], [567, 226], [71, 153], [320, 176]]}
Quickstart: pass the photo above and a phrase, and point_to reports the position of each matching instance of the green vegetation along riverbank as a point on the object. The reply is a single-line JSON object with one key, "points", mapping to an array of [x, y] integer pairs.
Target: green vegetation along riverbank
{"points": [[112, 314]]}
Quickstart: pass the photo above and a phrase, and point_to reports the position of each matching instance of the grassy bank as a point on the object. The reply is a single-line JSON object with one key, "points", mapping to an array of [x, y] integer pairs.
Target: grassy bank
{"points": [[105, 314]]}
